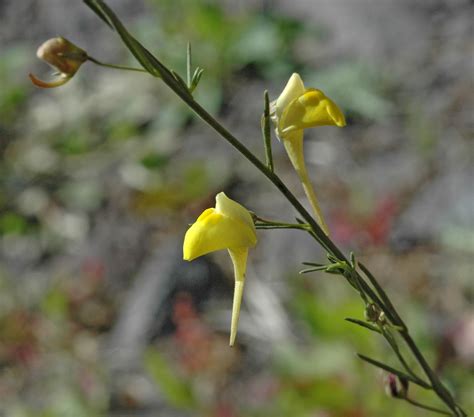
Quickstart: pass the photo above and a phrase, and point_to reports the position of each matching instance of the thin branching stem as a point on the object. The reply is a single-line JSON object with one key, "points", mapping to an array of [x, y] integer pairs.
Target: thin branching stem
{"points": [[376, 294], [118, 67], [189, 65], [267, 133], [427, 407], [394, 371], [393, 344], [327, 244]]}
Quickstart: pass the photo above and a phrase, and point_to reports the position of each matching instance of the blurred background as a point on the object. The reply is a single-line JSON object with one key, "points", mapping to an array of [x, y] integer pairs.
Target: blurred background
{"points": [[99, 180]]}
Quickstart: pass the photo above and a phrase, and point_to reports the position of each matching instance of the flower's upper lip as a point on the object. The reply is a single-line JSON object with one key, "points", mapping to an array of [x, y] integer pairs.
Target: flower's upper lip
{"points": [[227, 226], [293, 89], [298, 108]]}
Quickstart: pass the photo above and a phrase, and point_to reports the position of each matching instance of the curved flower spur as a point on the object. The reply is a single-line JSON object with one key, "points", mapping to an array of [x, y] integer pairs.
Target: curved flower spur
{"points": [[296, 109], [227, 226]]}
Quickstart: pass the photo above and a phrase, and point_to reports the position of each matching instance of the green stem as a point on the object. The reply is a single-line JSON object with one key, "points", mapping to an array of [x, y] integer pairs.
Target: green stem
{"points": [[383, 295], [393, 344], [426, 407], [157, 69], [394, 371], [189, 65], [266, 132], [323, 240], [326, 243], [364, 324], [263, 226], [261, 223], [437, 385], [119, 67]]}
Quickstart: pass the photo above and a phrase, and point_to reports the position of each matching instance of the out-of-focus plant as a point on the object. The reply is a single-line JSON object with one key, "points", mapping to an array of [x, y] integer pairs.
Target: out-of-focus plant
{"points": [[381, 317], [50, 349]]}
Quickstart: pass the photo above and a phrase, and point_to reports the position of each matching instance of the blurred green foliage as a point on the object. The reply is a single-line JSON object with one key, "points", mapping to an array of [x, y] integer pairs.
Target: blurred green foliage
{"points": [[176, 390], [13, 93]]}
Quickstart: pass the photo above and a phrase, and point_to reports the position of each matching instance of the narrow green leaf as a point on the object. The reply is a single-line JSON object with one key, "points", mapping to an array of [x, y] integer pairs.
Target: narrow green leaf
{"points": [[266, 132], [353, 260], [98, 11], [196, 78], [332, 258], [308, 270], [363, 324], [176, 390], [311, 264], [189, 65], [148, 61], [394, 371], [427, 407]]}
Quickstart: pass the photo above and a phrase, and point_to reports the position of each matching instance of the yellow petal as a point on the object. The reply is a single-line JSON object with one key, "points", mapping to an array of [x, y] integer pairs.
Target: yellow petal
{"points": [[239, 260], [310, 109], [293, 142], [234, 210], [214, 231], [293, 89]]}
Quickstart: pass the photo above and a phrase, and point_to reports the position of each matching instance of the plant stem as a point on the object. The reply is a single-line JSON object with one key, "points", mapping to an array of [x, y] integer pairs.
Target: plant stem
{"points": [[266, 132], [326, 243], [437, 385], [426, 407], [261, 223], [394, 371], [393, 344], [189, 65], [383, 295], [119, 67], [364, 324], [157, 69], [263, 226]]}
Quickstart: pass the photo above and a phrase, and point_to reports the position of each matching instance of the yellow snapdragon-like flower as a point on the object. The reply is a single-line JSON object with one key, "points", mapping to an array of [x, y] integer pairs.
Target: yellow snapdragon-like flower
{"points": [[62, 55], [227, 226], [296, 109]]}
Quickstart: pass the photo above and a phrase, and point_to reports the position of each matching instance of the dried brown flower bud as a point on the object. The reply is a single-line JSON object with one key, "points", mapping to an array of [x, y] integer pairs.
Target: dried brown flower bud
{"points": [[63, 56]]}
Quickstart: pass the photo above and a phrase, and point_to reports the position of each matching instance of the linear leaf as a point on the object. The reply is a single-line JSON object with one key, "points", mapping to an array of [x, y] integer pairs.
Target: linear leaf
{"points": [[363, 324], [148, 61], [388, 368]]}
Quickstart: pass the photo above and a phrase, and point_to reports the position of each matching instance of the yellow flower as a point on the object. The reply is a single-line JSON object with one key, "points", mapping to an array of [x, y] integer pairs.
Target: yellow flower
{"points": [[62, 55], [227, 226], [296, 109]]}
